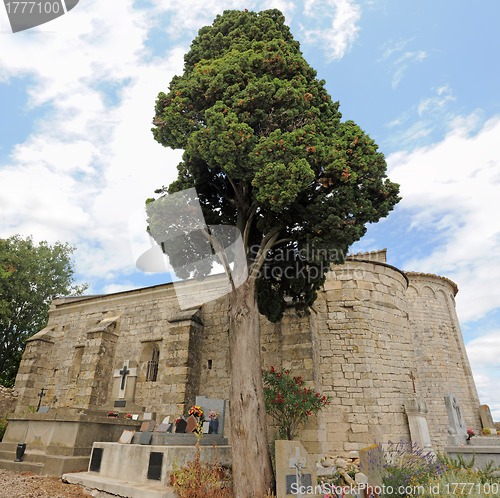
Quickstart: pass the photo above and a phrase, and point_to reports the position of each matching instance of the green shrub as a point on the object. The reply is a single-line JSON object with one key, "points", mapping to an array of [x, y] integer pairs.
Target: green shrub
{"points": [[3, 425], [289, 402]]}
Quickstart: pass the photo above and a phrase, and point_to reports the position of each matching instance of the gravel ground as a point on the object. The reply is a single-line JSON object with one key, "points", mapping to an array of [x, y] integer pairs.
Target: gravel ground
{"points": [[28, 485]]}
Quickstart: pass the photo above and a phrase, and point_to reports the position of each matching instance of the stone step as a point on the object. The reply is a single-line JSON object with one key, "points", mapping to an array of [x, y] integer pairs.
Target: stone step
{"points": [[126, 489], [29, 456], [34, 467]]}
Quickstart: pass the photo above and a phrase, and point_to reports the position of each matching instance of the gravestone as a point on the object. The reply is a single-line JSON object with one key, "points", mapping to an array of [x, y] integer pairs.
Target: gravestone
{"points": [[416, 410], [148, 425], [181, 426], [163, 428], [456, 430], [216, 405], [192, 422], [486, 418], [126, 437], [371, 460], [294, 468], [145, 437], [149, 416], [124, 380]]}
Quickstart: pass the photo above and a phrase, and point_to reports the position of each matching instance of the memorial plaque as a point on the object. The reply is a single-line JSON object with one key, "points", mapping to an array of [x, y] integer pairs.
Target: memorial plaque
{"points": [[206, 427], [216, 405], [163, 428], [145, 437], [181, 426], [148, 425], [95, 460], [305, 480], [155, 464], [120, 404], [43, 409], [166, 420], [126, 437], [192, 422]]}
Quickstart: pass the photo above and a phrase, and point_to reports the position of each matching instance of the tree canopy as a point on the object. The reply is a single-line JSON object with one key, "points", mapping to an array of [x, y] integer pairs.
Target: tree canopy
{"points": [[32, 275], [267, 152]]}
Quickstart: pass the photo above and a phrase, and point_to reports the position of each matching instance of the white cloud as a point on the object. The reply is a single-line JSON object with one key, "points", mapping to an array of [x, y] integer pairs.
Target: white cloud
{"points": [[332, 25], [453, 187], [437, 102], [337, 21], [399, 59], [484, 357], [89, 163]]}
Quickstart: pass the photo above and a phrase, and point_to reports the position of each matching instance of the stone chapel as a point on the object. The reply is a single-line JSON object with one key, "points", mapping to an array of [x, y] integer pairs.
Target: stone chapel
{"points": [[376, 337]]}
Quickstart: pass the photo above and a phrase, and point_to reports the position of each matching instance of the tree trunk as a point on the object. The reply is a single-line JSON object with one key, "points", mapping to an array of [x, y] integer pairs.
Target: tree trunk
{"points": [[251, 463]]}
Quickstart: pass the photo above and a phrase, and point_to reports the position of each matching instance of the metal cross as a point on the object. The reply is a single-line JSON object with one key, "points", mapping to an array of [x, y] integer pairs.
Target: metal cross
{"points": [[124, 372], [41, 394], [299, 464], [412, 377]]}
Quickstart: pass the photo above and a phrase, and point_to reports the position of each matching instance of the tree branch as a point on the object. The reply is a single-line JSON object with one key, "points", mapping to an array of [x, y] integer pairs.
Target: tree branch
{"points": [[266, 244], [248, 225]]}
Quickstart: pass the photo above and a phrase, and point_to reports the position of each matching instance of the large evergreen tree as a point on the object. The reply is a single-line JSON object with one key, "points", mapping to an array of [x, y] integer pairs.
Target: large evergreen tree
{"points": [[31, 275], [266, 150]]}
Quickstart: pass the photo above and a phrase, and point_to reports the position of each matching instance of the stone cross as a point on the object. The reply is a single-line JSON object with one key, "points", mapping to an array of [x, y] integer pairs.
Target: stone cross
{"points": [[457, 430], [124, 372], [123, 377], [299, 464]]}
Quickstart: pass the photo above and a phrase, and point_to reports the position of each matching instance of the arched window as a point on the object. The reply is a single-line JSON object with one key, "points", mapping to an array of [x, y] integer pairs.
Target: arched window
{"points": [[152, 371]]}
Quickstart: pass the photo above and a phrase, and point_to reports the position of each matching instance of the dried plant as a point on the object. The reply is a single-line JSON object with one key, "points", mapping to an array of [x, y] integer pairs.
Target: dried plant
{"points": [[199, 479]]}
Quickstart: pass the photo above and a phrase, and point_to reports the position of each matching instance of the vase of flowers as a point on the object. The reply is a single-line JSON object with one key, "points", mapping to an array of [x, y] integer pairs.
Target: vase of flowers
{"points": [[196, 411], [213, 421], [470, 433]]}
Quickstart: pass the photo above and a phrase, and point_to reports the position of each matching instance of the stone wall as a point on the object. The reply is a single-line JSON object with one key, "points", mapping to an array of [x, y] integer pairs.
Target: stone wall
{"points": [[369, 330], [441, 365], [364, 351], [8, 400]]}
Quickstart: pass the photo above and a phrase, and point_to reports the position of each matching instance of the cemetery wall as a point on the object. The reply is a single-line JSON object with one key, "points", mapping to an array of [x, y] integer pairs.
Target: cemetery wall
{"points": [[370, 329], [441, 365], [8, 401]]}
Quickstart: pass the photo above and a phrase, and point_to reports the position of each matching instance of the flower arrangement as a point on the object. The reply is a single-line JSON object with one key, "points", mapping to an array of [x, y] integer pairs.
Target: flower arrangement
{"points": [[213, 415], [177, 420], [129, 415], [196, 411], [486, 431], [113, 415], [470, 433], [289, 402]]}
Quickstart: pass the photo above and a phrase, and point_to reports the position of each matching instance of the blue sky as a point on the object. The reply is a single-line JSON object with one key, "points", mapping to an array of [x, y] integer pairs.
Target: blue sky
{"points": [[77, 158]]}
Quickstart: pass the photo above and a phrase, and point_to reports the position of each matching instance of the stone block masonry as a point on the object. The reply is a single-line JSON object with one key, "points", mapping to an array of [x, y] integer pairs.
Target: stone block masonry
{"points": [[373, 334]]}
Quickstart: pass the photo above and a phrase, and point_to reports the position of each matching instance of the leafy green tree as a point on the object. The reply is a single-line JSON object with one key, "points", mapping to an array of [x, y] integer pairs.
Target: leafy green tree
{"points": [[32, 276], [267, 152]]}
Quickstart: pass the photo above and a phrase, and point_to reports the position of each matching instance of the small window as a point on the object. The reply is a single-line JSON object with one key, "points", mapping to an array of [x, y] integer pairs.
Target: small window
{"points": [[152, 372]]}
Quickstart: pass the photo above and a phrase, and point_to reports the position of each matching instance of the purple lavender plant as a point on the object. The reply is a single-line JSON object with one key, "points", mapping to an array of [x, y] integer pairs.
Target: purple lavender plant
{"points": [[399, 465]]}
